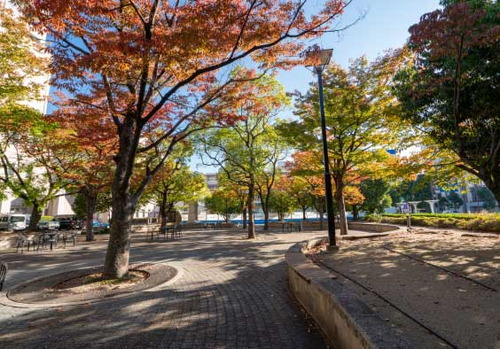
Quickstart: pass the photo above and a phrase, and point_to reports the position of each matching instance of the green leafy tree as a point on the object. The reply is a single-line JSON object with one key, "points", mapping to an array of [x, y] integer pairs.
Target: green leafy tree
{"points": [[81, 202], [487, 197], [175, 184], [376, 193], [31, 162], [360, 117], [451, 89], [21, 67], [224, 202], [22, 127], [455, 200], [248, 152], [281, 200]]}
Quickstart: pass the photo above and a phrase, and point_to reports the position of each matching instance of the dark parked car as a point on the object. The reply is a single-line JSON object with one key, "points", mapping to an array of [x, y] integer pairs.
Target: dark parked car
{"points": [[48, 224], [68, 223]]}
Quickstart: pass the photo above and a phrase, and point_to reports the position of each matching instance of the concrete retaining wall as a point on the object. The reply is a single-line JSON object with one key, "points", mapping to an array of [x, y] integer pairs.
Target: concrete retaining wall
{"points": [[345, 320], [376, 227]]}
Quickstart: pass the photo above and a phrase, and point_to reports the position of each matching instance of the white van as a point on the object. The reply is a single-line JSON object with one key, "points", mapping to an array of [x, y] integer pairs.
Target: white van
{"points": [[14, 221]]}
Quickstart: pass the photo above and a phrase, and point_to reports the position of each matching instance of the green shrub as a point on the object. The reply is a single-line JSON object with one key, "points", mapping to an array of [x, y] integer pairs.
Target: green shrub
{"points": [[373, 218], [475, 222]]}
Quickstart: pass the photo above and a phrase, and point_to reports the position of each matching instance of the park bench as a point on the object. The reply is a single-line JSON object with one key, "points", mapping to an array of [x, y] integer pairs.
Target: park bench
{"points": [[3, 274]]}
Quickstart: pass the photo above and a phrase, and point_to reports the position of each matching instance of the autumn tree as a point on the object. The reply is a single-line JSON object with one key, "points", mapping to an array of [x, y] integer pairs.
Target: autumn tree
{"points": [[451, 89], [93, 142], [299, 190], [307, 166], [249, 150], [158, 65], [360, 117]]}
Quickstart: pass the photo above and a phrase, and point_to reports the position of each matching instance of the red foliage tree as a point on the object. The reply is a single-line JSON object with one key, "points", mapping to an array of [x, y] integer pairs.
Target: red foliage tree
{"points": [[155, 66]]}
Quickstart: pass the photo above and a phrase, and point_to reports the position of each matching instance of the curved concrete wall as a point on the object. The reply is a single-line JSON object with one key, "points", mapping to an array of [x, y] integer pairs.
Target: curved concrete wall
{"points": [[345, 320]]}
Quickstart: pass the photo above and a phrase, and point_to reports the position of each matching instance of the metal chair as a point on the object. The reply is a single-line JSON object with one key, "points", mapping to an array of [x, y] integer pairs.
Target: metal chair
{"points": [[21, 241], [47, 237], [70, 236]]}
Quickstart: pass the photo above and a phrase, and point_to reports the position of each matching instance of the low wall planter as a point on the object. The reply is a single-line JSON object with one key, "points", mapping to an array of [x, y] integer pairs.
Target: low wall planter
{"points": [[344, 318]]}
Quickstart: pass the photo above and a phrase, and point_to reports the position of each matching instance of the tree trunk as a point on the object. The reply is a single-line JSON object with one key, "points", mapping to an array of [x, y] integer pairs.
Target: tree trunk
{"points": [[304, 208], [163, 211], [492, 180], [266, 219], [321, 213], [251, 221], [227, 215], [118, 252], [355, 212], [339, 198], [116, 262], [244, 218], [36, 215], [91, 200]]}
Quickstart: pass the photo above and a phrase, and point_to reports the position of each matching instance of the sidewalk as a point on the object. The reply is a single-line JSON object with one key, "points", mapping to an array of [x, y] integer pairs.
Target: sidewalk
{"points": [[232, 293]]}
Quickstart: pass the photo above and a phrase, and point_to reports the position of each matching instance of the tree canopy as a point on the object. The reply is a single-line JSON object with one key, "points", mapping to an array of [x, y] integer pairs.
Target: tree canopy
{"points": [[360, 111], [451, 89], [155, 67]]}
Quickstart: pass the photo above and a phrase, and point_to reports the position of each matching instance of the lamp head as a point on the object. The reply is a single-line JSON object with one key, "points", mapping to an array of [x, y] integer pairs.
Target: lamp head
{"points": [[318, 59]]}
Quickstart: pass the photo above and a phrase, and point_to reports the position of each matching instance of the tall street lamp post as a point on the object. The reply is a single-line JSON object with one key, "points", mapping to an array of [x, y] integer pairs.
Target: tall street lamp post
{"points": [[325, 56]]}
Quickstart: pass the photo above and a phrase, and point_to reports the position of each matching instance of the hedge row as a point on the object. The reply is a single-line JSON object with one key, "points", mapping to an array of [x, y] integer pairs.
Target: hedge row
{"points": [[473, 222]]}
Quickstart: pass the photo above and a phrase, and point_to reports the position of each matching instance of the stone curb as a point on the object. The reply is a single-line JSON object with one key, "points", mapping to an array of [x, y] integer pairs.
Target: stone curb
{"points": [[343, 317], [6, 301]]}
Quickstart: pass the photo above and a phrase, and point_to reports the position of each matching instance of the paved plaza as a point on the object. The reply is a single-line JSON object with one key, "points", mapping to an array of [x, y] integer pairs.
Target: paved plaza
{"points": [[229, 293]]}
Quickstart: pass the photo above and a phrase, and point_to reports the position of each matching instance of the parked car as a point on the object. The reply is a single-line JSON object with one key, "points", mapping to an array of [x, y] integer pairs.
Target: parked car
{"points": [[48, 223], [68, 223], [15, 221], [96, 225]]}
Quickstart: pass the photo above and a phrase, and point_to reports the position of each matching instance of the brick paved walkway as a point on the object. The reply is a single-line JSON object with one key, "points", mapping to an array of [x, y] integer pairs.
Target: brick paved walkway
{"points": [[231, 293]]}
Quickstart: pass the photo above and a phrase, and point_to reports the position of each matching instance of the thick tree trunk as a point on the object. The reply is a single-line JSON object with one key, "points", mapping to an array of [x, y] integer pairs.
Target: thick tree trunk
{"points": [[244, 218], [492, 181], [91, 201], [36, 215], [251, 221], [339, 199], [304, 218], [116, 262], [117, 255]]}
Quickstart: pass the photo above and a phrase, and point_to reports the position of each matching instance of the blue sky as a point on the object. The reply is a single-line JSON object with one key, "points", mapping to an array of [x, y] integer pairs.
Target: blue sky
{"points": [[384, 26]]}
